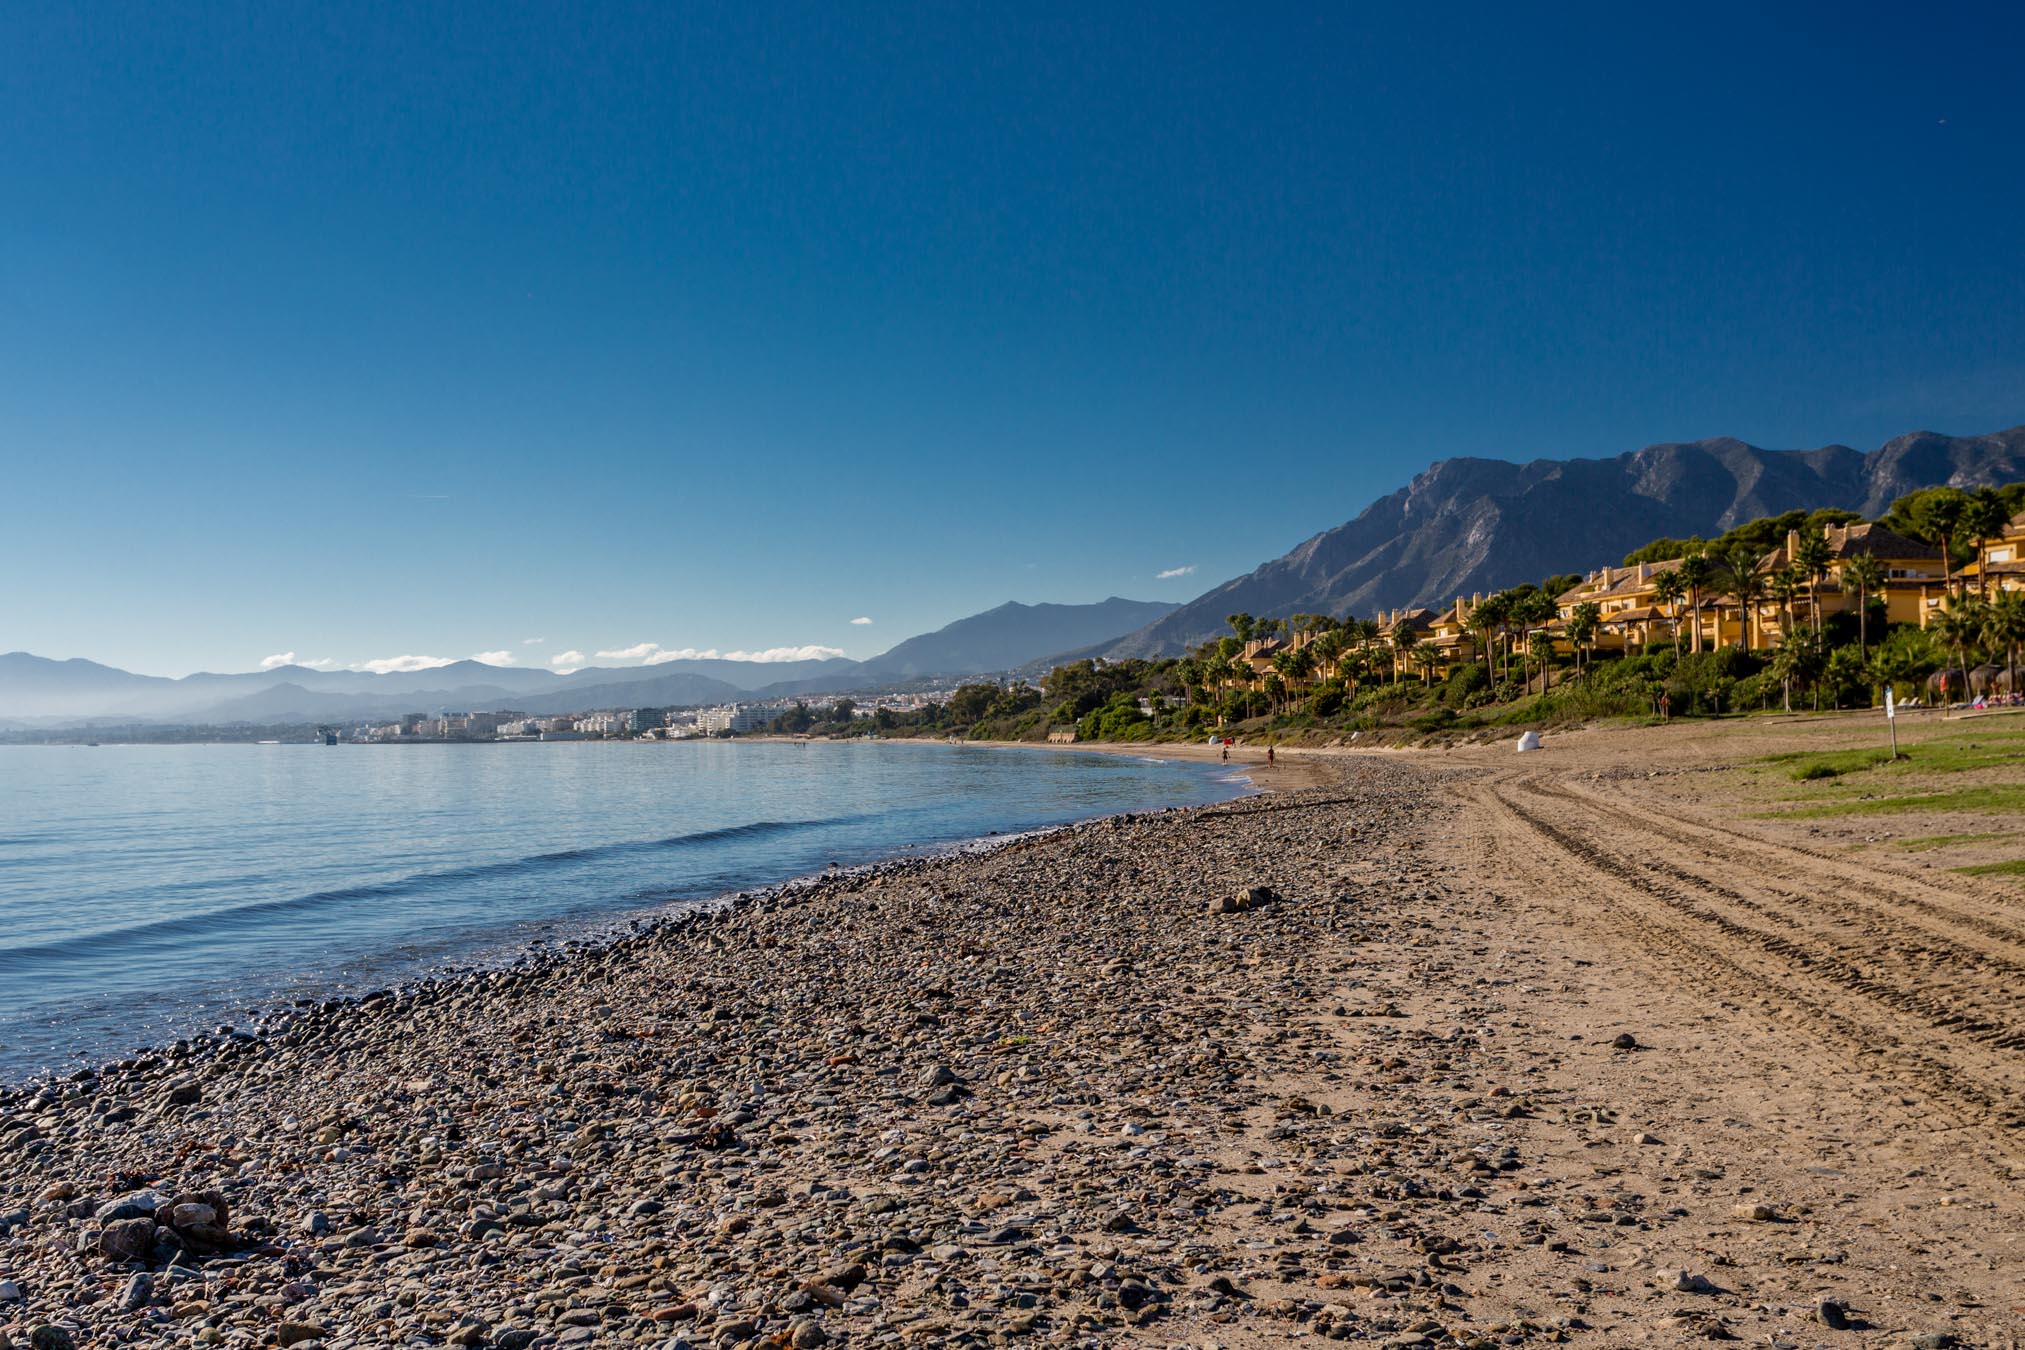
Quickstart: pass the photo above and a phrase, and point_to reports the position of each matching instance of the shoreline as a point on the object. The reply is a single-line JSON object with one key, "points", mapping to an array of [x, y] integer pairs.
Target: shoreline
{"points": [[594, 934]]}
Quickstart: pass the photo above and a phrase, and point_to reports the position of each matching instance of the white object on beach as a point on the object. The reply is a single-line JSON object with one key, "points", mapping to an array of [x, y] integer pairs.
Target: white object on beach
{"points": [[1529, 741]]}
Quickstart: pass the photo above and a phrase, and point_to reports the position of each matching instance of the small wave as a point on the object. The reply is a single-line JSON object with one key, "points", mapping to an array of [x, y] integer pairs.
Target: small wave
{"points": [[206, 922]]}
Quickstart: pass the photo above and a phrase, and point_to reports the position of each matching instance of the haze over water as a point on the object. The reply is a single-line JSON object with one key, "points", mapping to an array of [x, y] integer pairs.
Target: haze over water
{"points": [[150, 892]]}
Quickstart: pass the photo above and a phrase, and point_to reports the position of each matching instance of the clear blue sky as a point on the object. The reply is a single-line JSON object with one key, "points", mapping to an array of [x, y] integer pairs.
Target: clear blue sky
{"points": [[358, 331]]}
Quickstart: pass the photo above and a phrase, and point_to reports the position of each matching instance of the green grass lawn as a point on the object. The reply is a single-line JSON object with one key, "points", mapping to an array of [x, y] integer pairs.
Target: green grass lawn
{"points": [[1930, 842], [2014, 868], [1993, 799], [1960, 752]]}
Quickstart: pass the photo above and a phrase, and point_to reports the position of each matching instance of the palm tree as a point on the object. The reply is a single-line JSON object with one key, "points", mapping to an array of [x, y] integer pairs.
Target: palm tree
{"points": [[1959, 628], [1583, 622], [1368, 633], [1798, 658], [1781, 587], [1541, 647], [1284, 669], [1402, 647], [1696, 571], [1865, 573], [1984, 518], [1668, 588], [1748, 581], [1937, 513], [1812, 557], [2005, 627], [1427, 656], [1531, 610], [1486, 617], [1328, 651]]}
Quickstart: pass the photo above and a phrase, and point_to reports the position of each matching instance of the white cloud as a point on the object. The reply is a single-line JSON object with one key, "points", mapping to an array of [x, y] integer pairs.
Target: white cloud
{"points": [[278, 659], [532, 642], [1173, 572], [390, 665], [321, 663], [498, 658], [566, 659], [654, 654], [809, 653], [860, 621]]}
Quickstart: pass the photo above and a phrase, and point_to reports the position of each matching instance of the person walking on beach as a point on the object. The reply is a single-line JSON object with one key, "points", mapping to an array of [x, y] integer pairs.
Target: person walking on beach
{"points": [[1226, 752], [1269, 757]]}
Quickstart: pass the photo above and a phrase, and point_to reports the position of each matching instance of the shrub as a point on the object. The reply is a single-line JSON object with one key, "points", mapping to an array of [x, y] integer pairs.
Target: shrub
{"points": [[1463, 684]]}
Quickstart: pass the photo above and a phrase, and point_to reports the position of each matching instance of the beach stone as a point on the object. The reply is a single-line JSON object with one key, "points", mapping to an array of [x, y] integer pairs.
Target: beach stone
{"points": [[184, 1091], [845, 1277], [515, 1338], [138, 1292], [127, 1240], [48, 1337], [10, 1292], [138, 1204], [1831, 1314], [1686, 1282], [1624, 1041], [191, 1214], [1754, 1213], [295, 1333]]}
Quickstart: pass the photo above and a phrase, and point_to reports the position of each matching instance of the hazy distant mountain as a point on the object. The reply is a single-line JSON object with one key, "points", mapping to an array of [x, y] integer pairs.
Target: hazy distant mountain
{"points": [[649, 689], [1013, 635], [1470, 525], [37, 686], [37, 689]]}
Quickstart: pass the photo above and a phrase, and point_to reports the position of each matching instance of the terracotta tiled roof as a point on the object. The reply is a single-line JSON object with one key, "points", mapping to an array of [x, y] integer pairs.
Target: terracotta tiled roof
{"points": [[1846, 541], [1628, 584], [1412, 618]]}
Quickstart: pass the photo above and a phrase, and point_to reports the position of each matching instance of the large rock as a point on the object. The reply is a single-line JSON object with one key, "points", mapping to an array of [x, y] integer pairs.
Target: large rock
{"points": [[127, 1239]]}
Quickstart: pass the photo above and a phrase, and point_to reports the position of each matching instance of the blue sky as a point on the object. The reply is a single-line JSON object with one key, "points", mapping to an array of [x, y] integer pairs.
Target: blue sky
{"points": [[362, 332]]}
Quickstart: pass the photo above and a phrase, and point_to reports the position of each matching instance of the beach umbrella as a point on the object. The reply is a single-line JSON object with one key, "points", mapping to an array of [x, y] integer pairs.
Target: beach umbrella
{"points": [[1949, 683]]}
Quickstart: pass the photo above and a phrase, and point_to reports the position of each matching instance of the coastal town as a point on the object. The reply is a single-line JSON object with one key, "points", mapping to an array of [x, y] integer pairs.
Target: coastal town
{"points": [[648, 724]]}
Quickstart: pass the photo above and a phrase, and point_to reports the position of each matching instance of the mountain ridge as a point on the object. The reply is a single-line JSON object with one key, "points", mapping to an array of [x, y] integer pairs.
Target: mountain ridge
{"points": [[1466, 525]]}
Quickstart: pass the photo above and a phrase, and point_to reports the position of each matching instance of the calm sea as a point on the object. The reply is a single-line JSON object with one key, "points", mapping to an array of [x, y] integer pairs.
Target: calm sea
{"points": [[149, 892]]}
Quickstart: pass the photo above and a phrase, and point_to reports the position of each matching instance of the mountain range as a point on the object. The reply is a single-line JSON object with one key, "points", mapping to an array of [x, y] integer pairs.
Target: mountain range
{"points": [[37, 689], [1476, 525]]}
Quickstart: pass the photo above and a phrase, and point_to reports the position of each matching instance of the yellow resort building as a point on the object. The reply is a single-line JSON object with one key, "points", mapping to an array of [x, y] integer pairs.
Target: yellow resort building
{"points": [[2000, 564], [1635, 615]]}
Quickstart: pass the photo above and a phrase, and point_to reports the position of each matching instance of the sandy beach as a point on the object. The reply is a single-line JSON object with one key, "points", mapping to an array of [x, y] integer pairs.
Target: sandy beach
{"points": [[1604, 1045]]}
